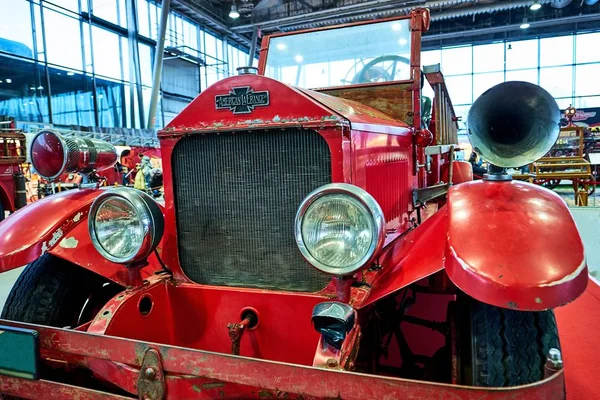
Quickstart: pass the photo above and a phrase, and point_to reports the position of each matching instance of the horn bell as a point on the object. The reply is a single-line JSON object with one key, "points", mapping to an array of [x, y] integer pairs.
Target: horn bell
{"points": [[513, 124]]}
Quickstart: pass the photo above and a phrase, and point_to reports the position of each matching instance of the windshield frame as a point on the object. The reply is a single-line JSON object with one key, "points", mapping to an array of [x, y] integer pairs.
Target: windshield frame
{"points": [[415, 50]]}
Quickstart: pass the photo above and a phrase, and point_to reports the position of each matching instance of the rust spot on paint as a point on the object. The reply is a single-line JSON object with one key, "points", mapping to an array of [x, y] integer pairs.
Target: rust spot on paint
{"points": [[196, 389], [500, 276], [265, 394], [213, 385], [512, 304], [538, 300]]}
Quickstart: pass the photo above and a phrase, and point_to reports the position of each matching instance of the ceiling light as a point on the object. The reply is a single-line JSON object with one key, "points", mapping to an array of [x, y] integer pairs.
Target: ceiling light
{"points": [[402, 42], [40, 88], [396, 26], [70, 73], [233, 14], [0, 81], [525, 24], [8, 80], [32, 88], [281, 46], [535, 6], [299, 58]]}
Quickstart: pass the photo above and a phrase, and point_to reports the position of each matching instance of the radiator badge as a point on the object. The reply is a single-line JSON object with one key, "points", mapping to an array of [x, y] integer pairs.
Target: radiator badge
{"points": [[242, 100]]}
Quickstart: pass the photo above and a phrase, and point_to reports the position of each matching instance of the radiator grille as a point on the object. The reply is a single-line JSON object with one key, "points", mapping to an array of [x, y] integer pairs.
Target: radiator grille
{"points": [[236, 197]]}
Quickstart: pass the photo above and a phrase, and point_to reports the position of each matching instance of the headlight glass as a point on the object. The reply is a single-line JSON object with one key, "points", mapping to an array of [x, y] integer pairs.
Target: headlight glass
{"points": [[337, 230], [119, 228]]}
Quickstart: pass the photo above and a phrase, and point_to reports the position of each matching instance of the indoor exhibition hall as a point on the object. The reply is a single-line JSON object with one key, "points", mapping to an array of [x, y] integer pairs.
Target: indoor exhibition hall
{"points": [[311, 199]]}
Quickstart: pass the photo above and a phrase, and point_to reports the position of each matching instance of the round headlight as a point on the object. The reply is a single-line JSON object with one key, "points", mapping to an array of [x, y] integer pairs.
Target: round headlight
{"points": [[125, 225], [339, 228]]}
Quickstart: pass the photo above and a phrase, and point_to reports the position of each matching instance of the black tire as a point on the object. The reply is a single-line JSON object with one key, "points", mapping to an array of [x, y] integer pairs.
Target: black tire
{"points": [[505, 347], [51, 291]]}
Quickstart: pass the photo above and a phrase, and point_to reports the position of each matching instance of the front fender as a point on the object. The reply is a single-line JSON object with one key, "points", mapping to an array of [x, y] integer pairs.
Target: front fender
{"points": [[509, 244], [513, 245], [57, 224], [38, 227]]}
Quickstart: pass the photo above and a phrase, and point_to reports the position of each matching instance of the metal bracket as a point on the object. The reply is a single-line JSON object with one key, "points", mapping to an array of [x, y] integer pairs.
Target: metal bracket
{"points": [[151, 382], [235, 333]]}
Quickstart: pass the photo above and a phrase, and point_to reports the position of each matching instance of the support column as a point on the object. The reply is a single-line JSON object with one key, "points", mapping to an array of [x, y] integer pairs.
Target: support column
{"points": [[158, 62]]}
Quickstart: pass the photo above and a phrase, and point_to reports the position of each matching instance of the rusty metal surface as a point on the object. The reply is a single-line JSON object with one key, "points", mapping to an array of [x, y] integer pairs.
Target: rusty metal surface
{"points": [[269, 379], [151, 381], [525, 253], [49, 390]]}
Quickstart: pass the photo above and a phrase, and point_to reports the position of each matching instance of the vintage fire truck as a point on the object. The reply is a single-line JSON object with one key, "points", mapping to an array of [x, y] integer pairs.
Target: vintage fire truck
{"points": [[313, 243], [12, 156]]}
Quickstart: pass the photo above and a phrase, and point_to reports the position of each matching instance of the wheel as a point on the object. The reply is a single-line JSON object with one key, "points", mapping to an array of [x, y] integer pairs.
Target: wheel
{"points": [[499, 347], [51, 291]]}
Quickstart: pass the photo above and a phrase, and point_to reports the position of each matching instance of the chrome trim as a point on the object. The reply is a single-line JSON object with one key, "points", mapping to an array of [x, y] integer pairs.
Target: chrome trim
{"points": [[65, 153], [151, 218], [365, 199]]}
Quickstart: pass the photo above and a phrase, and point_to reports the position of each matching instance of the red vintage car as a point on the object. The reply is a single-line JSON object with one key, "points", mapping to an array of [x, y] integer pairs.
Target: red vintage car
{"points": [[313, 243]]}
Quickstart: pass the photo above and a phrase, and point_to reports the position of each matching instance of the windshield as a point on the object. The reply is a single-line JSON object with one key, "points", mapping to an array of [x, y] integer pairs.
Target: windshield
{"points": [[377, 52]]}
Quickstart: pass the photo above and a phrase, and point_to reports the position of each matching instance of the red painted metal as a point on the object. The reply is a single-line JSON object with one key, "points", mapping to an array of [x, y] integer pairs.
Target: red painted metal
{"points": [[462, 171], [416, 255], [27, 234], [525, 252], [243, 377], [183, 315]]}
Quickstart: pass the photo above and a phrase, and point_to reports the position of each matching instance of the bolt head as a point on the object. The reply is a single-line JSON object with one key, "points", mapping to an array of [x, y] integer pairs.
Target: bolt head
{"points": [[150, 373]]}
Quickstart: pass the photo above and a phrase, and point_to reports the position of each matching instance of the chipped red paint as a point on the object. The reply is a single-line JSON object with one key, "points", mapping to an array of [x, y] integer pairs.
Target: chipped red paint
{"points": [[190, 372], [513, 245]]}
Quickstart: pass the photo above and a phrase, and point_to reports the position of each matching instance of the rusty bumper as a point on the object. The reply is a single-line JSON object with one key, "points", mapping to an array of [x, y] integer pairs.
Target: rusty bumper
{"points": [[155, 371]]}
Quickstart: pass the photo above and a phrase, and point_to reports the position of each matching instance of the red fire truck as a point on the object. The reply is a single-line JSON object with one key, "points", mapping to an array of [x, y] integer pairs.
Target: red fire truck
{"points": [[313, 243], [12, 180]]}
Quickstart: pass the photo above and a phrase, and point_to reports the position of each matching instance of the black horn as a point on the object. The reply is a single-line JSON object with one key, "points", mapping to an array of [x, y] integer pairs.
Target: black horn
{"points": [[513, 124]]}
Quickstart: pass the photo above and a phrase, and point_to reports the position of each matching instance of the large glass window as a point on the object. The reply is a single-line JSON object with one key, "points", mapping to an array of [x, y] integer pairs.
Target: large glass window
{"points": [[72, 98], [460, 88], [15, 30], [63, 40], [143, 18], [23, 90], [522, 54], [556, 51], [525, 75], [107, 57], [488, 58], [111, 10], [558, 81], [482, 82], [457, 60], [588, 48], [587, 80]]}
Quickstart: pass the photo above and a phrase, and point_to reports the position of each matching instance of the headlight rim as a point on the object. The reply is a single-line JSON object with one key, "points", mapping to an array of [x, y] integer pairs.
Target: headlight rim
{"points": [[147, 209], [365, 199]]}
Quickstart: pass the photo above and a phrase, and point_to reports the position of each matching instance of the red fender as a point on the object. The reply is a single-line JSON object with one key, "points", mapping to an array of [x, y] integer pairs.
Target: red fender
{"points": [[57, 224], [409, 258], [513, 245], [509, 244]]}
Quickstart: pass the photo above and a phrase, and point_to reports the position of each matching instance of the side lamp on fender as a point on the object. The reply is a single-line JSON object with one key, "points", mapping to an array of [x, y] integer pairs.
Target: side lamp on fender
{"points": [[333, 321]]}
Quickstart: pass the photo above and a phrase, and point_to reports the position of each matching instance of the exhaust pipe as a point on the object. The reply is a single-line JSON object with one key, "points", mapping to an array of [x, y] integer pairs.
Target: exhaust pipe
{"points": [[513, 124]]}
